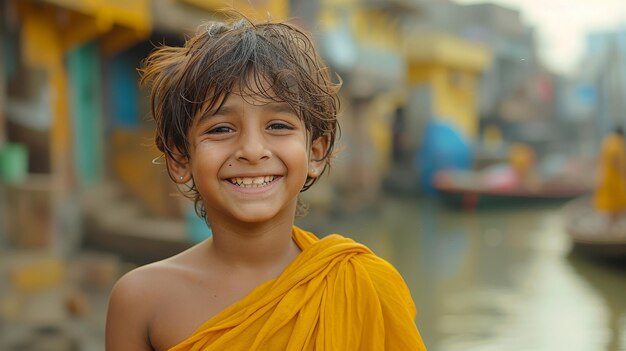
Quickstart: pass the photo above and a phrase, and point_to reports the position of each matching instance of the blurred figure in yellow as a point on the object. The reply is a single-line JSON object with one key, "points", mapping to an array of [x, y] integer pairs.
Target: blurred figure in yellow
{"points": [[610, 193], [492, 138], [522, 159]]}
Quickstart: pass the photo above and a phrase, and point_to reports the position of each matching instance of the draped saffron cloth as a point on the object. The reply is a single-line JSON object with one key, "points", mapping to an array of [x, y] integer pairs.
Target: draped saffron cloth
{"points": [[610, 193], [336, 295]]}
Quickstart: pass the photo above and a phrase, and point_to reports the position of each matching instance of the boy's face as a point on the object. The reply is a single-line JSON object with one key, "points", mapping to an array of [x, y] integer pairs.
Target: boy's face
{"points": [[250, 159]]}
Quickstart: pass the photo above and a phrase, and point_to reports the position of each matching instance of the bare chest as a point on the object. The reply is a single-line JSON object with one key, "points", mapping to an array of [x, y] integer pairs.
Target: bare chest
{"points": [[185, 308]]}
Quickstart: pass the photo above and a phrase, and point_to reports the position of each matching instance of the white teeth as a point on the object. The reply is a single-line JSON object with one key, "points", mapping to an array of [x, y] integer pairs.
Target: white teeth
{"points": [[252, 182]]}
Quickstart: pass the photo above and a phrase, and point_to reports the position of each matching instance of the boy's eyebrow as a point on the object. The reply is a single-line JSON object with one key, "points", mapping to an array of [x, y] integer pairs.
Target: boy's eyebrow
{"points": [[225, 109], [280, 107], [222, 110]]}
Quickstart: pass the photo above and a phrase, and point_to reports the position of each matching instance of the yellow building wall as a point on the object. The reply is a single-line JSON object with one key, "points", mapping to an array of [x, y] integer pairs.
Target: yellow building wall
{"points": [[256, 10], [377, 30], [117, 24], [450, 66], [371, 28], [453, 94], [446, 50], [131, 13], [455, 100]]}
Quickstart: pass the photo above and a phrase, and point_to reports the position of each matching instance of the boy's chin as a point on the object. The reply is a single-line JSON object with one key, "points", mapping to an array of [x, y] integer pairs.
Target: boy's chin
{"points": [[259, 216]]}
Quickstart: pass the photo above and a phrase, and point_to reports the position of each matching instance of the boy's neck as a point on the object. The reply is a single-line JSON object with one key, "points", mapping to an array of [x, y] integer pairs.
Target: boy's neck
{"points": [[255, 246]]}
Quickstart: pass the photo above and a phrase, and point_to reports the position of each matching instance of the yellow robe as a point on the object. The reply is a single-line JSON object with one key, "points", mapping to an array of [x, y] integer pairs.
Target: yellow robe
{"points": [[336, 295], [610, 195]]}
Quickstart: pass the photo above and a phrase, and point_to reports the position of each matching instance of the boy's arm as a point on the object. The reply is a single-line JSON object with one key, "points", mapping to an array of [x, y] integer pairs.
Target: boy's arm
{"points": [[127, 323]]}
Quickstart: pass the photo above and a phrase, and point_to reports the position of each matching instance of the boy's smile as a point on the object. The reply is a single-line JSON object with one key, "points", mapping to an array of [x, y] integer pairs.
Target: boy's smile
{"points": [[252, 182], [250, 158], [254, 185]]}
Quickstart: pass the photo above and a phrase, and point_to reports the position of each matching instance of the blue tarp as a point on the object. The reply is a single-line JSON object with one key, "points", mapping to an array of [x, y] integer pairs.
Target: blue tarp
{"points": [[443, 148]]}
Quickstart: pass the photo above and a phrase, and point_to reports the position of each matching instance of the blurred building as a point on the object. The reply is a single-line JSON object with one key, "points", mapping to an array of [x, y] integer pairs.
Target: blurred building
{"points": [[597, 93], [517, 92], [362, 42], [53, 53], [443, 77], [398, 73]]}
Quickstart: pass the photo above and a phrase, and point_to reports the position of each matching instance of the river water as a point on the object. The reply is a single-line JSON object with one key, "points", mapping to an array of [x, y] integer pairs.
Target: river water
{"points": [[500, 279]]}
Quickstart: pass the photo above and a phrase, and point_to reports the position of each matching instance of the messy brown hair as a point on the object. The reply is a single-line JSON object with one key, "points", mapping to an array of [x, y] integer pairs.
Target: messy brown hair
{"points": [[277, 61]]}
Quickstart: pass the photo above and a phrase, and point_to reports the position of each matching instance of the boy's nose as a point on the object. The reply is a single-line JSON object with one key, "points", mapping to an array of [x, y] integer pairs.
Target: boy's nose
{"points": [[252, 148]]}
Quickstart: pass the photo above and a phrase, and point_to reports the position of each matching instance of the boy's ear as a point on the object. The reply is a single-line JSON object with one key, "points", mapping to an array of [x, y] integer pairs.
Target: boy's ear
{"points": [[319, 148], [178, 167]]}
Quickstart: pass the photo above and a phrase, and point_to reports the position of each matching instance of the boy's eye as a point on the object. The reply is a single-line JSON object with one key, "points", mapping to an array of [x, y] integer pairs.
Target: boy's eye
{"points": [[220, 130], [279, 126]]}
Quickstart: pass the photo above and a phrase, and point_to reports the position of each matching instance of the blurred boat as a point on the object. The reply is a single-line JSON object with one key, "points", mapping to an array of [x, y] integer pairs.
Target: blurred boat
{"points": [[591, 232], [498, 185]]}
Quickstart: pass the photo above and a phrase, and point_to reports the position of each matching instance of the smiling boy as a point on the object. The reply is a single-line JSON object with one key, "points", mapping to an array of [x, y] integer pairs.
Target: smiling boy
{"points": [[246, 118]]}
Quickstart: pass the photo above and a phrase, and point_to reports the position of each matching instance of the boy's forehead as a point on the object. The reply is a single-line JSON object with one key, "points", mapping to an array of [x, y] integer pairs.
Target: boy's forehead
{"points": [[255, 90]]}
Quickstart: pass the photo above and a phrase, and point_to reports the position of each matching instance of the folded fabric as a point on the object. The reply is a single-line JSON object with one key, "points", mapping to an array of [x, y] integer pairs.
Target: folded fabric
{"points": [[336, 295]]}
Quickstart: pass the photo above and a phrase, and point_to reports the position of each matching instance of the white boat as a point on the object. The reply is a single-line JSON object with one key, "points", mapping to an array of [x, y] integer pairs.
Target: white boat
{"points": [[592, 233]]}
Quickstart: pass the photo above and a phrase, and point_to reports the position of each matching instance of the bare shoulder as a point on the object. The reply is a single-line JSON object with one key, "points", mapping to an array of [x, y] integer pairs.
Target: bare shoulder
{"points": [[145, 287], [136, 299], [138, 287]]}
